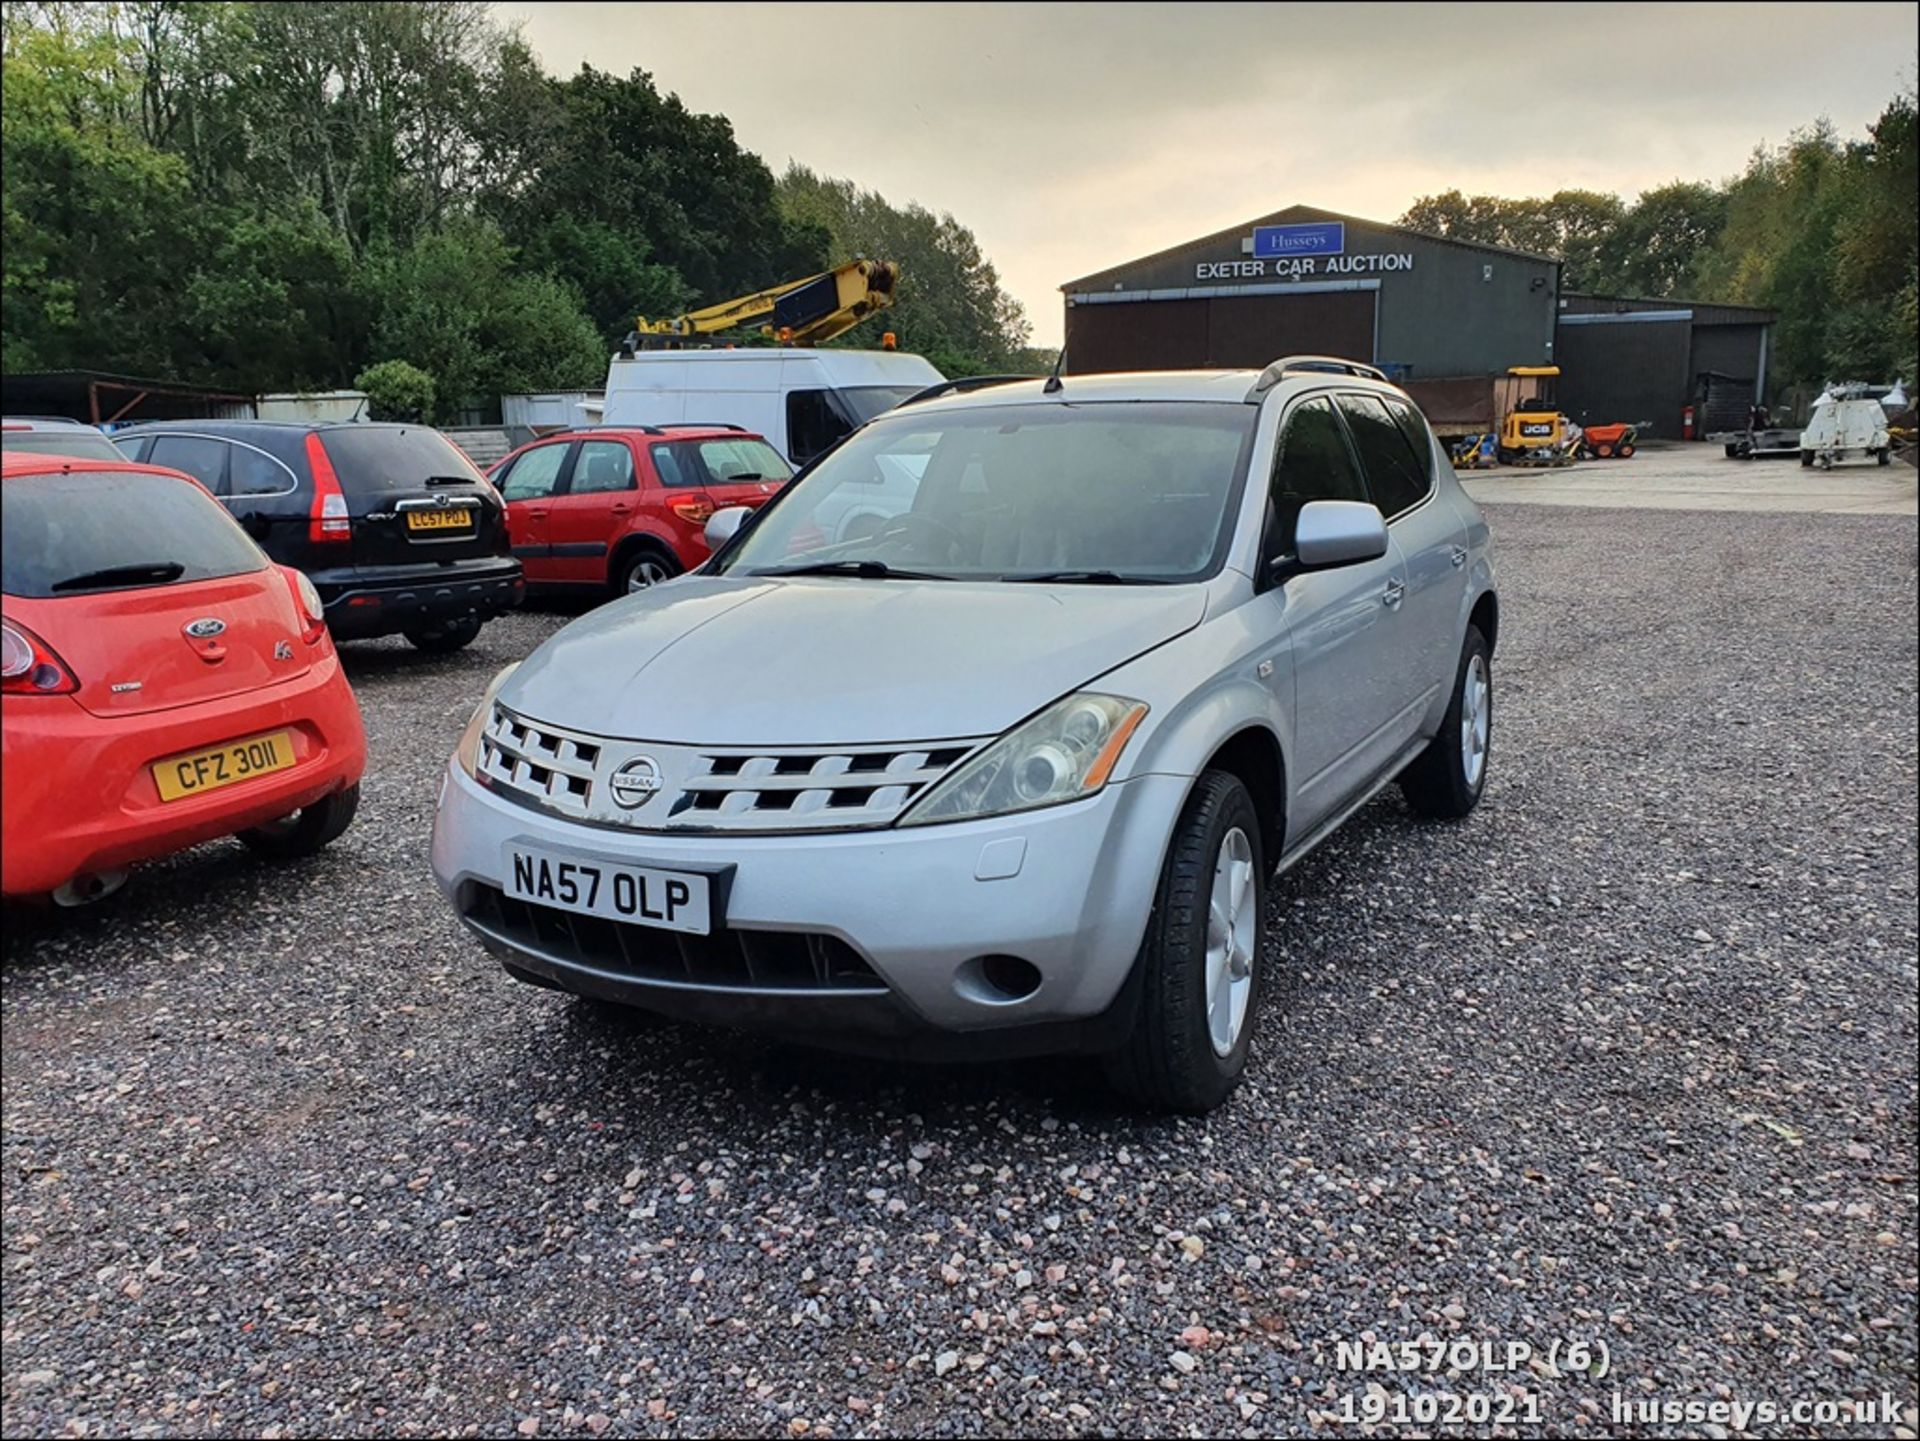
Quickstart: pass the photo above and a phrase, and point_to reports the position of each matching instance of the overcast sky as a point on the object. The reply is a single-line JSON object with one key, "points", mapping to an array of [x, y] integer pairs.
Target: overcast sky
{"points": [[1073, 137]]}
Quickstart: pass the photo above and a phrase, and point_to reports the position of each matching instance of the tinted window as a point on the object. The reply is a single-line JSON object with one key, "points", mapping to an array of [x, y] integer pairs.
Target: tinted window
{"points": [[718, 462], [403, 456], [254, 472], [200, 457], [1315, 464], [534, 474], [80, 527], [80, 444], [813, 423], [602, 465], [1143, 490], [1394, 475], [1413, 425], [863, 402]]}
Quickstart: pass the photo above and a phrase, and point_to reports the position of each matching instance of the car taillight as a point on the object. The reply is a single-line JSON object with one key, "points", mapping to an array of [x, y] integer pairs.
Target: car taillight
{"points": [[697, 511], [327, 522], [306, 599], [28, 665]]}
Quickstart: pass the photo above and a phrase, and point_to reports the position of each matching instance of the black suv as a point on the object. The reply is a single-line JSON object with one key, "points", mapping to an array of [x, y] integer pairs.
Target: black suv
{"points": [[392, 524]]}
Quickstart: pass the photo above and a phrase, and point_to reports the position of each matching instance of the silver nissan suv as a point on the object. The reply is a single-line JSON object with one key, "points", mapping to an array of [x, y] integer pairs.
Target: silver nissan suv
{"points": [[1011, 766]]}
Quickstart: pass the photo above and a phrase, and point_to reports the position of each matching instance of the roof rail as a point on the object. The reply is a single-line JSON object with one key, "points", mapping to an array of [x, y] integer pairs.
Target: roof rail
{"points": [[962, 385], [703, 425], [1324, 364]]}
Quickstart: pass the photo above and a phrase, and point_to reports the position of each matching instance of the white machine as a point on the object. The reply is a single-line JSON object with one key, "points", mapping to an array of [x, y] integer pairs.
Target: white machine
{"points": [[1846, 424], [800, 399]]}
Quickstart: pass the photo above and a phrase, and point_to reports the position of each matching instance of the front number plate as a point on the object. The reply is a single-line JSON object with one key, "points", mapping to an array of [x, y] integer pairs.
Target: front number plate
{"points": [[636, 895], [178, 777]]}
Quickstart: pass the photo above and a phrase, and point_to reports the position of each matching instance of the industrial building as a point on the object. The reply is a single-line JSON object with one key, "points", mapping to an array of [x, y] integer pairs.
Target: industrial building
{"points": [[1439, 315], [1310, 281], [1678, 369]]}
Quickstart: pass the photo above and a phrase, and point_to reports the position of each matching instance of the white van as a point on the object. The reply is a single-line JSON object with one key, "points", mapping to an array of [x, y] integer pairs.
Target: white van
{"points": [[801, 400]]}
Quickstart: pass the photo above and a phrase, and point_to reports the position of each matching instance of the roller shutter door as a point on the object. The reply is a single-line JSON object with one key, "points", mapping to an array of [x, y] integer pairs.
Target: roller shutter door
{"points": [[1226, 332]]}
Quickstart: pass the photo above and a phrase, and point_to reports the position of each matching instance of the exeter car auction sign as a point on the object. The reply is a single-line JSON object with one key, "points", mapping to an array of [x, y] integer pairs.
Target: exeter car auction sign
{"points": [[1291, 252]]}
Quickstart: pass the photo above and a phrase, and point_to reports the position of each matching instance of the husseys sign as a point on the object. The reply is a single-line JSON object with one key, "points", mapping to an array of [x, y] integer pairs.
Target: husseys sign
{"points": [[1290, 252]]}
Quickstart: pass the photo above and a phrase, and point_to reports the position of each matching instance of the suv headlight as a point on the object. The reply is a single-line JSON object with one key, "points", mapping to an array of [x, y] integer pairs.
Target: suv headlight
{"points": [[467, 753], [1062, 754]]}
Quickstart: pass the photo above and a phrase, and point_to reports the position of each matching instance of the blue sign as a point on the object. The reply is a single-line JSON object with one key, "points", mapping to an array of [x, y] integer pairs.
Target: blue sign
{"points": [[1272, 242]]}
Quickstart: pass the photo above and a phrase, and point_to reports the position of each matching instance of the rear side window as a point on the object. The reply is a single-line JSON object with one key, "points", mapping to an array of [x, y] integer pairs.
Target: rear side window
{"points": [[201, 457], [1394, 473], [1413, 425], [254, 472], [717, 462], [89, 531], [602, 466], [403, 457], [80, 444]]}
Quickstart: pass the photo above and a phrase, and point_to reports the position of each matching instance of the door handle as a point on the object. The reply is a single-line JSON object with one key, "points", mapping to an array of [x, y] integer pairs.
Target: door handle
{"points": [[1396, 592], [539, 514], [1459, 556], [622, 509]]}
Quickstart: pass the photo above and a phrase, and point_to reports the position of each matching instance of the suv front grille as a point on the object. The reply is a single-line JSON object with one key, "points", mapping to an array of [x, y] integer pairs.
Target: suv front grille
{"points": [[704, 788], [727, 960]]}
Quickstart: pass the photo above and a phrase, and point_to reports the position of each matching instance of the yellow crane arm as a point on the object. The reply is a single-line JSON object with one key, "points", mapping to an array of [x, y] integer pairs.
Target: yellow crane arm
{"points": [[798, 312]]}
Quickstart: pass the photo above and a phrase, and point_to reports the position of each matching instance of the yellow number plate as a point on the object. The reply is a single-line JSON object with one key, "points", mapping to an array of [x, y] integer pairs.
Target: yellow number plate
{"points": [[461, 519], [188, 775]]}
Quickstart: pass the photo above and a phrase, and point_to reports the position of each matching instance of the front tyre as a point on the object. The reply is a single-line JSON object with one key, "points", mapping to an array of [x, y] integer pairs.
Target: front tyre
{"points": [[1201, 961], [1446, 781], [308, 829]]}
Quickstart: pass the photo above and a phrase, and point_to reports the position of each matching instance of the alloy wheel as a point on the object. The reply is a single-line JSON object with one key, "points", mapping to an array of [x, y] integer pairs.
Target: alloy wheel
{"points": [[1231, 930]]}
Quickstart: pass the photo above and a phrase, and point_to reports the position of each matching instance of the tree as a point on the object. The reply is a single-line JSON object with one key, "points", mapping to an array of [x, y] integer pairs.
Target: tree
{"points": [[1569, 225], [949, 307], [615, 184], [459, 307], [1655, 246], [396, 390]]}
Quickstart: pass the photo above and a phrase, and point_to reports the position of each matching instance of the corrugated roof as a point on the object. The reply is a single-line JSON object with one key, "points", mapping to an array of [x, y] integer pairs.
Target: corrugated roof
{"points": [[1292, 213]]}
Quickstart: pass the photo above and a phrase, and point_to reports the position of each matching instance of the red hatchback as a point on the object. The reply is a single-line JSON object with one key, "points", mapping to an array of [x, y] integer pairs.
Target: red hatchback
{"points": [[162, 682], [619, 509]]}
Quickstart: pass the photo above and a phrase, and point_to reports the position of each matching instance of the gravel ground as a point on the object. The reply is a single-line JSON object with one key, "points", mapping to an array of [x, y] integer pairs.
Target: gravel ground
{"points": [[1629, 1057]]}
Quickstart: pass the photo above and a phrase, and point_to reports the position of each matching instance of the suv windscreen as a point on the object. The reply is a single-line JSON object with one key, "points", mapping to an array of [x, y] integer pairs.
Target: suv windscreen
{"points": [[80, 444], [397, 458], [718, 462], [86, 531], [1113, 492]]}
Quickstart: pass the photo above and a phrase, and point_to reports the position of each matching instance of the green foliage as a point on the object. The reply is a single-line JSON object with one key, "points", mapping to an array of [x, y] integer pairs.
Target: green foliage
{"points": [[264, 197], [396, 390], [949, 307], [456, 304], [1820, 230]]}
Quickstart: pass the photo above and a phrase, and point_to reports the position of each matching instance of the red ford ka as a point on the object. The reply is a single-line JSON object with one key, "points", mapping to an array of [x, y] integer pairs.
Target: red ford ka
{"points": [[162, 682]]}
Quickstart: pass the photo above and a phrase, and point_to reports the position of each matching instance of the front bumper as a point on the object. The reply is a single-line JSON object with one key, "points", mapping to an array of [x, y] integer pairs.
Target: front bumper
{"points": [[911, 902], [78, 796], [385, 600]]}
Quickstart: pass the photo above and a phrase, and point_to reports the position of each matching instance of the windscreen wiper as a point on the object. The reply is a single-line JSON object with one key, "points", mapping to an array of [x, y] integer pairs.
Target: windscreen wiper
{"points": [[861, 569], [156, 572], [1081, 577]]}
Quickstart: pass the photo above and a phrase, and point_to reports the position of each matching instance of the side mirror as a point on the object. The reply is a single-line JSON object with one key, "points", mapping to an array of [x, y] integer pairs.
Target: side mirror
{"points": [[1332, 533], [723, 523]]}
